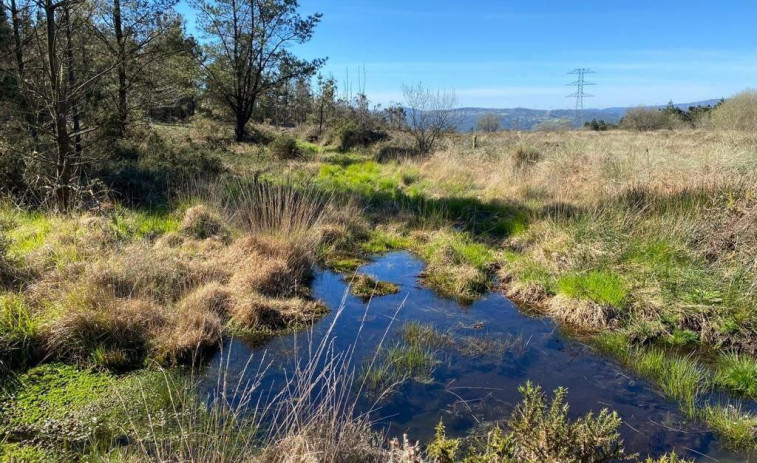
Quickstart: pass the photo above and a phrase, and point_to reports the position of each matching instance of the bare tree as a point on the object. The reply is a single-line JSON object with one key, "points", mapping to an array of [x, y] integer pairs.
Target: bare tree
{"points": [[430, 114], [488, 123], [247, 55]]}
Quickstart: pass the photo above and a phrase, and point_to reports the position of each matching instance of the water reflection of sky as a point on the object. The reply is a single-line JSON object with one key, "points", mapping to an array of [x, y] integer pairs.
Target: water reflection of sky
{"points": [[468, 391]]}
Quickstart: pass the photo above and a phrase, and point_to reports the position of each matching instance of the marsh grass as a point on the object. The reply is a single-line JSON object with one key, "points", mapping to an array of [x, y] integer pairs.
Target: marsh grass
{"points": [[737, 373], [367, 286]]}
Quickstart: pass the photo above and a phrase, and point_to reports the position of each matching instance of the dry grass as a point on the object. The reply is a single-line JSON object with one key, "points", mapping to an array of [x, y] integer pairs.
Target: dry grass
{"points": [[111, 300], [581, 169]]}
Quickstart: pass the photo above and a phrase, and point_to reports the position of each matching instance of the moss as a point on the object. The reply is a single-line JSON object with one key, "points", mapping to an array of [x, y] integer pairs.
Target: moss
{"points": [[21, 453]]}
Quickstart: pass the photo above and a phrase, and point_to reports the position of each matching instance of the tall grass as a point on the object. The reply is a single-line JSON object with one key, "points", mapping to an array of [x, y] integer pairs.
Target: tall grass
{"points": [[311, 416]]}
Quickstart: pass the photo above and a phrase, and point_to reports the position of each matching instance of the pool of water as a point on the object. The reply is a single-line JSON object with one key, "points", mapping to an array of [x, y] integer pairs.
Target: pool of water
{"points": [[467, 391]]}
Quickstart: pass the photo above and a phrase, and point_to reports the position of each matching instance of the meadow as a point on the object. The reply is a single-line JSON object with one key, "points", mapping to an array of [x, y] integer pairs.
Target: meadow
{"points": [[640, 244]]}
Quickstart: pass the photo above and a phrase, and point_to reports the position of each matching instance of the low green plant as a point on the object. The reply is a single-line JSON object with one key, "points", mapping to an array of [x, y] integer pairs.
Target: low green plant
{"points": [[737, 373], [540, 431], [600, 286]]}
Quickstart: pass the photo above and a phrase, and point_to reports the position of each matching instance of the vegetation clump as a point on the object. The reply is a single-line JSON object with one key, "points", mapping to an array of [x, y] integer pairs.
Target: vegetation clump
{"points": [[285, 148], [367, 286]]}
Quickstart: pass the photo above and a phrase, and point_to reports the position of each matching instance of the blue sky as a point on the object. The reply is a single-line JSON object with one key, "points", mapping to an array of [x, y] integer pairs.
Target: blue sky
{"points": [[503, 53]]}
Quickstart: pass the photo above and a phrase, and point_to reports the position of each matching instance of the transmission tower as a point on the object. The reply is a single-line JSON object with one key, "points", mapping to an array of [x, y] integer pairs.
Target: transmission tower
{"points": [[579, 95]]}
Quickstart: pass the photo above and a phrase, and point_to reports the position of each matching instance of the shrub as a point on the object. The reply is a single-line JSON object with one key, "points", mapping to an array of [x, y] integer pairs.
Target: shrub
{"points": [[526, 156], [538, 432], [285, 148], [648, 119], [350, 135], [737, 113], [142, 173]]}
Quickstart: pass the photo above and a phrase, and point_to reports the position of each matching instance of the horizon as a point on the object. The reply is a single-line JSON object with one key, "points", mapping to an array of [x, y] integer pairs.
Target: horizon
{"points": [[685, 51]]}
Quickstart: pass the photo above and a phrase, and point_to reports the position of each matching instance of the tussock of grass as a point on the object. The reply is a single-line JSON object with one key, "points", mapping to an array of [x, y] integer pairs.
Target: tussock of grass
{"points": [[201, 223], [457, 266], [737, 373], [367, 286]]}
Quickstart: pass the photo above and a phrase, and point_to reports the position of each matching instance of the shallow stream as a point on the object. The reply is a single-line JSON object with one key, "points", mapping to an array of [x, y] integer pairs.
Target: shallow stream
{"points": [[470, 390]]}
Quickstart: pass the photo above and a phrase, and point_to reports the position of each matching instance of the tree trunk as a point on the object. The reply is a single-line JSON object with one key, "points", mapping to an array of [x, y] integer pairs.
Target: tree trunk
{"points": [[240, 133], [61, 188], [123, 109]]}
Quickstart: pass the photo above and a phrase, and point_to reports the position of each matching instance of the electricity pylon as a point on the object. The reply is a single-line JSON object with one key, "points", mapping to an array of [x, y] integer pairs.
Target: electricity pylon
{"points": [[579, 95]]}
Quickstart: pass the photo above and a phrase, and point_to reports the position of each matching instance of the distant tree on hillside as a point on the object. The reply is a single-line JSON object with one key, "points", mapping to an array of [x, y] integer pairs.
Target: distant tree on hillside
{"points": [[488, 123]]}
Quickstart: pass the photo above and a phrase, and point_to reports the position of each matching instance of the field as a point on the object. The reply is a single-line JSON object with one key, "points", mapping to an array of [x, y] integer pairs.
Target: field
{"points": [[640, 244]]}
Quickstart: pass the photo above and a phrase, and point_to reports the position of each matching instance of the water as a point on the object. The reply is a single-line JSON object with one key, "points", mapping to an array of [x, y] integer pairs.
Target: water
{"points": [[467, 391]]}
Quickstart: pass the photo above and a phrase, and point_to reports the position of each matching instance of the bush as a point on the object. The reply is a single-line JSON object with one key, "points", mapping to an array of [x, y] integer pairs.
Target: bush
{"points": [[649, 119], [526, 156], [351, 135], [285, 148], [142, 173], [737, 113]]}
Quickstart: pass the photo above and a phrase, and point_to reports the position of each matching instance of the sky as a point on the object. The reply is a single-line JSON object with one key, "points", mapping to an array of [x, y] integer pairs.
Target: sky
{"points": [[504, 53]]}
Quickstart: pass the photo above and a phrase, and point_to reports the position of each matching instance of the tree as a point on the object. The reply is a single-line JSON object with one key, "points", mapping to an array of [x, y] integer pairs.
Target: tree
{"points": [[131, 32], [430, 114], [246, 54], [488, 123], [326, 100]]}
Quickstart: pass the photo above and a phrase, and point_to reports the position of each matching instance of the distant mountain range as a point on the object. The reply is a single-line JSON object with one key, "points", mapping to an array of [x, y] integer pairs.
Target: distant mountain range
{"points": [[527, 119]]}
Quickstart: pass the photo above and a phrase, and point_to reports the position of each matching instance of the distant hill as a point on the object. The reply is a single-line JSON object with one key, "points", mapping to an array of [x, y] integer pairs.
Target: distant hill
{"points": [[527, 119]]}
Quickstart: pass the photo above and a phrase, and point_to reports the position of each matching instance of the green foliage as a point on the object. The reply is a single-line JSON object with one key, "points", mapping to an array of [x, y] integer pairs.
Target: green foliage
{"points": [[737, 427], [737, 373], [537, 432], [442, 449], [600, 286], [285, 148], [20, 337], [350, 135], [142, 173]]}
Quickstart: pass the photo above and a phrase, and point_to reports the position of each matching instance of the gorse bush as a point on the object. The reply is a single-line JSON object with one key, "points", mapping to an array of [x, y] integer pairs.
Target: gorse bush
{"points": [[648, 119], [737, 113], [539, 431]]}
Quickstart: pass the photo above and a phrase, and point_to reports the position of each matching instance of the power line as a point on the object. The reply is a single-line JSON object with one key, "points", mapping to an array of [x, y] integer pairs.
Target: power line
{"points": [[579, 95]]}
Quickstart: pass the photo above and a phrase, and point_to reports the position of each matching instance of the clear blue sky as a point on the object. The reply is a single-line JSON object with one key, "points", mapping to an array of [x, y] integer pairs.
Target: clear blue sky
{"points": [[504, 53]]}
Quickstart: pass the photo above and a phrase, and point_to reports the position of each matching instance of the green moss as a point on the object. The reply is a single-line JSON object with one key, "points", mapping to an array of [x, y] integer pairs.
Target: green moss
{"points": [[20, 453], [600, 286]]}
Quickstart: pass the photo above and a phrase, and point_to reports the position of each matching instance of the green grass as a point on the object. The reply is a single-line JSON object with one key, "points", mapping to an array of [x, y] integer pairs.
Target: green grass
{"points": [[679, 378], [367, 286], [734, 425], [600, 286], [737, 373], [19, 332], [381, 241]]}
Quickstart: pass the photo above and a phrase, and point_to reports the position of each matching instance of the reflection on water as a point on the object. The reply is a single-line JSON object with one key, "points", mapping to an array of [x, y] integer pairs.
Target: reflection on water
{"points": [[467, 391]]}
